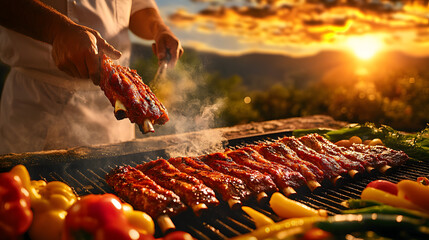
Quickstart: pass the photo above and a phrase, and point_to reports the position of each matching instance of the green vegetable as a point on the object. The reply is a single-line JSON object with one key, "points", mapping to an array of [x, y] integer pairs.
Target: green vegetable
{"points": [[386, 209], [390, 223], [360, 203]]}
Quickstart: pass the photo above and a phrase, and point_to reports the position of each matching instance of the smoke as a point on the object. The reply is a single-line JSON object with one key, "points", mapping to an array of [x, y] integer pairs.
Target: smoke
{"points": [[192, 110]]}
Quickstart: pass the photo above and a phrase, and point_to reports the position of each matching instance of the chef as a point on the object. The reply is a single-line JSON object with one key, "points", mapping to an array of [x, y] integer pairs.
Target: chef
{"points": [[50, 98]]}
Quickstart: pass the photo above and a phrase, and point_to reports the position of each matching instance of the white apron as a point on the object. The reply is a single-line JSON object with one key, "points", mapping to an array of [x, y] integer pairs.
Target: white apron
{"points": [[42, 108]]}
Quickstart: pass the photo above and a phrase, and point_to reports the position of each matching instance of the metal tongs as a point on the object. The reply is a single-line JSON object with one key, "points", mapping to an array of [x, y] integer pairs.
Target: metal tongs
{"points": [[160, 74]]}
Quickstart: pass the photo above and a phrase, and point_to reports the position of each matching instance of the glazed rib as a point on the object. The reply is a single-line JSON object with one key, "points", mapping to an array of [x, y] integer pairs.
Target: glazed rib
{"points": [[280, 153], [143, 193], [284, 177], [364, 159], [126, 86], [254, 180], [192, 191], [382, 154], [329, 166], [322, 146], [230, 188]]}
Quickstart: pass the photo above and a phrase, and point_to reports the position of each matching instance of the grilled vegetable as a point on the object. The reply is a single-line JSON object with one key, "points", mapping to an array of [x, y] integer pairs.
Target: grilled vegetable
{"points": [[50, 209], [178, 235], [387, 198], [348, 223], [384, 185], [259, 219], [286, 229], [386, 209], [288, 208], [99, 217], [141, 221], [15, 212], [360, 203], [415, 192]]}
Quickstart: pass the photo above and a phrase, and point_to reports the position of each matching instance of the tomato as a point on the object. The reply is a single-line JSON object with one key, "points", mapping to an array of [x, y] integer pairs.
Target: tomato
{"points": [[316, 234], [384, 185]]}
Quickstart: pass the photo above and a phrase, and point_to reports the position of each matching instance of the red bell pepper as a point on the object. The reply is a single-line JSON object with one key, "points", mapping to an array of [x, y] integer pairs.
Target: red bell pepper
{"points": [[15, 209], [99, 217], [384, 185]]}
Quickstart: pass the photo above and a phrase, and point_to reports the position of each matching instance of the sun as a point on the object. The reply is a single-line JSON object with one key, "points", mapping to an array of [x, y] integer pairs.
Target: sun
{"points": [[365, 47]]}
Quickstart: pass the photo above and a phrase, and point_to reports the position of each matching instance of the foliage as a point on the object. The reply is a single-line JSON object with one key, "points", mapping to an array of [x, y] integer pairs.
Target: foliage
{"points": [[393, 97]]}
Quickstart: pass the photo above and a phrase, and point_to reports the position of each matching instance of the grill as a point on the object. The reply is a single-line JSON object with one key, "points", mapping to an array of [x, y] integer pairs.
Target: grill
{"points": [[86, 176]]}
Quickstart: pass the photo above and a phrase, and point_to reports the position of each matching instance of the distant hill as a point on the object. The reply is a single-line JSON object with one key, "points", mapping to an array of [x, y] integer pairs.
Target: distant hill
{"points": [[260, 71]]}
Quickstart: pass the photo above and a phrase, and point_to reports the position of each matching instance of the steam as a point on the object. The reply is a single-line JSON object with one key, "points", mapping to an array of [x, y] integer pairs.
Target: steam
{"points": [[192, 110]]}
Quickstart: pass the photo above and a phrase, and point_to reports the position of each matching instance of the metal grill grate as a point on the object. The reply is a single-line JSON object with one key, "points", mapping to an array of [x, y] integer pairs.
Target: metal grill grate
{"points": [[87, 176]]}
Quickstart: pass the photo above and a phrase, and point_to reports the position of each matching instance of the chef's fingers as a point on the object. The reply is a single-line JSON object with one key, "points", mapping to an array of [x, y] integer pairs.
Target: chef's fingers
{"points": [[105, 48], [92, 60]]}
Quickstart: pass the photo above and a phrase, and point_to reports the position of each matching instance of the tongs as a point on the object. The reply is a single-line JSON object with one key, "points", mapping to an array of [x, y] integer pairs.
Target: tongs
{"points": [[160, 74]]}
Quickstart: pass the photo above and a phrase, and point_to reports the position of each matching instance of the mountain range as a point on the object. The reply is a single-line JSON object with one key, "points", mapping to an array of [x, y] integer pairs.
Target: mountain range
{"points": [[262, 70]]}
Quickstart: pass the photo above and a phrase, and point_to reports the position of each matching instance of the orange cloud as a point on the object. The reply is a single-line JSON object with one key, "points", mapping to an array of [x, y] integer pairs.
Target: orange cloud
{"points": [[279, 24]]}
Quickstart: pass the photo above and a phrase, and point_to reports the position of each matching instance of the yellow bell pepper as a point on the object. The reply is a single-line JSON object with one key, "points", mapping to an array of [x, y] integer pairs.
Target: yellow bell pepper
{"points": [[374, 194], [286, 229], [288, 208], [259, 219], [49, 202], [415, 192], [141, 221]]}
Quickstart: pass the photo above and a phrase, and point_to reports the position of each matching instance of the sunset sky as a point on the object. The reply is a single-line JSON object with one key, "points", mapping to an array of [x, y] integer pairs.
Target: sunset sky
{"points": [[298, 27]]}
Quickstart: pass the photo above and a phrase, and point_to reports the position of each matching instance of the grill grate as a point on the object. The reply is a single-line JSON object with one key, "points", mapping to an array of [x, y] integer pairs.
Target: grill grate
{"points": [[86, 176]]}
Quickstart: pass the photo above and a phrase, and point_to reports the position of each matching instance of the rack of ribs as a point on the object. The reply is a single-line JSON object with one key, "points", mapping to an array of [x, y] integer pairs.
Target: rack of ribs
{"points": [[317, 143], [280, 153], [329, 166], [285, 178], [366, 160], [231, 189], [258, 183], [130, 97], [385, 158], [192, 191], [146, 195]]}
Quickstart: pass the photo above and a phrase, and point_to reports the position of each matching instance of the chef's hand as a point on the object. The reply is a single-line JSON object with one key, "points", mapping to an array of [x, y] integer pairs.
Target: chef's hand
{"points": [[167, 48], [76, 50]]}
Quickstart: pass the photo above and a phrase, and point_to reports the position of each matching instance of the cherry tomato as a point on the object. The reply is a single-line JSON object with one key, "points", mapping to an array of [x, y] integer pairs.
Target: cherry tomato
{"points": [[316, 234]]}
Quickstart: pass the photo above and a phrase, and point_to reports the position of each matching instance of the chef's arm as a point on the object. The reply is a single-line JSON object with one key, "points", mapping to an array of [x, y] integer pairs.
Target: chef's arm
{"points": [[75, 47], [148, 24]]}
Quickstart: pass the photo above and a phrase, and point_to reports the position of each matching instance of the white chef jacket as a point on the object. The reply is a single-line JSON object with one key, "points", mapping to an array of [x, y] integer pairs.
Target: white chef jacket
{"points": [[42, 107]]}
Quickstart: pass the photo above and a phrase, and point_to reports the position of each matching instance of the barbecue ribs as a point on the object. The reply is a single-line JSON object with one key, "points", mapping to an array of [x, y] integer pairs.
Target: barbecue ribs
{"points": [[143, 193], [191, 190], [130, 96], [232, 189], [255, 180]]}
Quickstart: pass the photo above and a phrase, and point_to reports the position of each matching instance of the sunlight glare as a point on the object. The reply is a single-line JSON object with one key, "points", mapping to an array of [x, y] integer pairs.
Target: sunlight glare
{"points": [[364, 47]]}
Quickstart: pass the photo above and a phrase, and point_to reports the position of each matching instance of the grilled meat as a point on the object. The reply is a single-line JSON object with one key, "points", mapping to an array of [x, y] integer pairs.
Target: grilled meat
{"points": [[230, 188], [191, 190], [317, 143], [366, 160], [329, 166], [382, 154], [125, 88], [280, 153], [254, 180], [143, 193], [284, 177]]}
